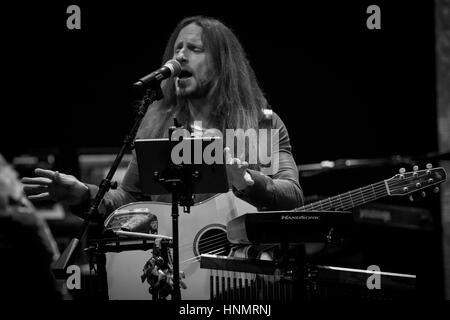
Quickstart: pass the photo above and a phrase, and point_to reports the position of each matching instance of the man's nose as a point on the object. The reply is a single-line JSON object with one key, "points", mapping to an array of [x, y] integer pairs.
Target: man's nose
{"points": [[181, 57]]}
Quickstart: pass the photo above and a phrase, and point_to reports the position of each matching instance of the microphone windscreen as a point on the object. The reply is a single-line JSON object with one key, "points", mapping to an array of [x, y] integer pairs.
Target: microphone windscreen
{"points": [[174, 66]]}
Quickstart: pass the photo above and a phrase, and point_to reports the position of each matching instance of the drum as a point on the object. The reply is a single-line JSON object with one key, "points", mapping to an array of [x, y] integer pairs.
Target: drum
{"points": [[120, 263], [127, 247], [124, 270]]}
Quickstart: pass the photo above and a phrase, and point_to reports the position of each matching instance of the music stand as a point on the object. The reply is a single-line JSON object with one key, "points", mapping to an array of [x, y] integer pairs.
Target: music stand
{"points": [[160, 175], [212, 177]]}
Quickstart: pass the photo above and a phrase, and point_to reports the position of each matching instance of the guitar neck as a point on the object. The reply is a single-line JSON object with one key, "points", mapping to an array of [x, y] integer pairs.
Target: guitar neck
{"points": [[350, 199]]}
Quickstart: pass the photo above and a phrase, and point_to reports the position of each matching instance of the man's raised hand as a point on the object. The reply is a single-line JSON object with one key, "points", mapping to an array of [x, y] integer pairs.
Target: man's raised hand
{"points": [[52, 185]]}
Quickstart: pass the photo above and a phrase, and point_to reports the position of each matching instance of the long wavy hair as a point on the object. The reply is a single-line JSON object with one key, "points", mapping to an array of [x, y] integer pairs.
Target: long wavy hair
{"points": [[234, 92]]}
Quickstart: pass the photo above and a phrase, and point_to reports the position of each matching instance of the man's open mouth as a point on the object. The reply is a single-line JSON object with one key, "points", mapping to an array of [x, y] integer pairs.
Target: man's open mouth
{"points": [[184, 74]]}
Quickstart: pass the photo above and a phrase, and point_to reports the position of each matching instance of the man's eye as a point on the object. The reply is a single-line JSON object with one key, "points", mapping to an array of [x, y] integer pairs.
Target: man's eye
{"points": [[195, 48]]}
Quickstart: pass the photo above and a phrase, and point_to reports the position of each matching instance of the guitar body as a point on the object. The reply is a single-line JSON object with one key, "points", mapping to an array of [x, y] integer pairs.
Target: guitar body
{"points": [[203, 230]]}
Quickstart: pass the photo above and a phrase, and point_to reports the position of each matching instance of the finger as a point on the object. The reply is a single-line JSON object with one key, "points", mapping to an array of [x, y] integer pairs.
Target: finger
{"points": [[34, 189], [32, 181], [228, 159], [45, 173], [57, 177], [237, 161], [244, 165], [40, 197]]}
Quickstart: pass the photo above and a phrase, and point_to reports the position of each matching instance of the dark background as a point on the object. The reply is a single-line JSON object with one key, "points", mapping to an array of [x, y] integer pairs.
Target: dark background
{"points": [[342, 90]]}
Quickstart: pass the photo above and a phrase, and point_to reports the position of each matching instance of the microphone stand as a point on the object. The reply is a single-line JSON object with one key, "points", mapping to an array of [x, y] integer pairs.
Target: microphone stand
{"points": [[152, 94]]}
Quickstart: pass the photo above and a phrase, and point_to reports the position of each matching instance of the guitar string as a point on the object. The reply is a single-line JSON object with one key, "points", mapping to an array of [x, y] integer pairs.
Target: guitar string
{"points": [[206, 240], [222, 239], [353, 201], [223, 242], [347, 200], [218, 250]]}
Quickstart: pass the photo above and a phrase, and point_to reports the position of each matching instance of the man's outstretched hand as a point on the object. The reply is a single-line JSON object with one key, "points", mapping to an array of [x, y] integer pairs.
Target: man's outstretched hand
{"points": [[52, 185]]}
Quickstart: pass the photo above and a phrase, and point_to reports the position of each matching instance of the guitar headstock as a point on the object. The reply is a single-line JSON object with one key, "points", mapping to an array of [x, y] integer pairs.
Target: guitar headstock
{"points": [[408, 182]]}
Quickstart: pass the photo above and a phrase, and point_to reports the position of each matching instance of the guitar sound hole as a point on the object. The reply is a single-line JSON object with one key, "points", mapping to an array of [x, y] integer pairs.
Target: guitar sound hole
{"points": [[213, 241]]}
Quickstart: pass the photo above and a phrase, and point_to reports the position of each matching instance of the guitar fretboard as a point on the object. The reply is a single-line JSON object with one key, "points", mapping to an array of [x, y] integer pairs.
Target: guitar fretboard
{"points": [[350, 199]]}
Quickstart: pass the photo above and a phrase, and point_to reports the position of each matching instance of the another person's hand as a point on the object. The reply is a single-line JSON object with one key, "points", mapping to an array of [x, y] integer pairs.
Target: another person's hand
{"points": [[52, 185], [237, 171]]}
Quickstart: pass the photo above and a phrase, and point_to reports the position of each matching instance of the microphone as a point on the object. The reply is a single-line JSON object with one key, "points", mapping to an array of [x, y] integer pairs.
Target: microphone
{"points": [[170, 69]]}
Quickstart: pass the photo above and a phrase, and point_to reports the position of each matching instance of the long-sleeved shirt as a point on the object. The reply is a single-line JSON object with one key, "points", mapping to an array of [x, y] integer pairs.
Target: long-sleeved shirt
{"points": [[280, 191]]}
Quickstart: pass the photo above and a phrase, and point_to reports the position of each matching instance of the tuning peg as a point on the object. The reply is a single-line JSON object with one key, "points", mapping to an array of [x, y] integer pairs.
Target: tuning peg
{"points": [[429, 166], [416, 171], [411, 198], [402, 170], [436, 189], [423, 194]]}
